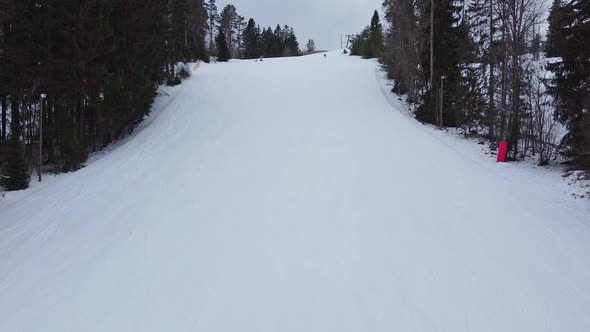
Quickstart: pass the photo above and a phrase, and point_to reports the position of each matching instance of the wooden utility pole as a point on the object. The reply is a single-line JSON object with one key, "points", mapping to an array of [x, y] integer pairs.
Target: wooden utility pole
{"points": [[432, 99]]}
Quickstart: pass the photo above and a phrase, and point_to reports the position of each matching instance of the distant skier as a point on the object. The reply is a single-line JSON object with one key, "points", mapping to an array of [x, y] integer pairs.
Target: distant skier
{"points": [[325, 56]]}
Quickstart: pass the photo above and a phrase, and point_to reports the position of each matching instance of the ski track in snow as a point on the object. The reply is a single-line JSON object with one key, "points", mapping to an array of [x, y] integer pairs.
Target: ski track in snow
{"points": [[294, 195]]}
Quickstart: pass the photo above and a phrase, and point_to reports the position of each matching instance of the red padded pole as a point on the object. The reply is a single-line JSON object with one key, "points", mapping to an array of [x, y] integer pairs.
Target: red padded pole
{"points": [[502, 152]]}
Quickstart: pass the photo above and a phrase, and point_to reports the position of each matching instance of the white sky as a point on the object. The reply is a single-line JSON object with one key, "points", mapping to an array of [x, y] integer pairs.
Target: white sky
{"points": [[321, 20]]}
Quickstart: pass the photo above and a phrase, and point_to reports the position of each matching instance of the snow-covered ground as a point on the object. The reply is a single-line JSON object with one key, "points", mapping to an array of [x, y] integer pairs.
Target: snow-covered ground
{"points": [[294, 195]]}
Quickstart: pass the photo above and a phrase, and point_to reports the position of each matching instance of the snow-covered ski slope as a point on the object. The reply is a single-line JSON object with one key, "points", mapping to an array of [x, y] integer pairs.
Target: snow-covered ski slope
{"points": [[292, 195]]}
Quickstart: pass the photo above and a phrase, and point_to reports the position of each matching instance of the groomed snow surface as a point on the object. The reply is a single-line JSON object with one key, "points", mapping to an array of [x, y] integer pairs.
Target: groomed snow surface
{"points": [[294, 195]]}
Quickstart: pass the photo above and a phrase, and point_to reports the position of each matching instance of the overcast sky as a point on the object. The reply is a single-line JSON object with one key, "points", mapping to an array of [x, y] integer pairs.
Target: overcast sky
{"points": [[321, 20]]}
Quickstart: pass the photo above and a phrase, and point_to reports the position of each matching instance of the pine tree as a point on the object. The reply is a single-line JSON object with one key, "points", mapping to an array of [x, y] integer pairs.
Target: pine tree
{"points": [[15, 175], [239, 25], [5, 76], [267, 43], [277, 42], [570, 86], [19, 70], [213, 18], [482, 20], [178, 41], [449, 38], [555, 36], [291, 45], [369, 43], [310, 46], [229, 15], [375, 42], [400, 56], [197, 30], [251, 40], [222, 48], [360, 43]]}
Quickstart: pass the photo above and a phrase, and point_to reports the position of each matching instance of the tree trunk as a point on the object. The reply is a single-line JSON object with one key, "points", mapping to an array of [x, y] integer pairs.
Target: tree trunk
{"points": [[80, 107], [50, 132], [515, 126], [504, 92], [14, 118], [29, 132], [92, 117], [4, 118], [432, 89], [502, 125], [492, 86]]}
